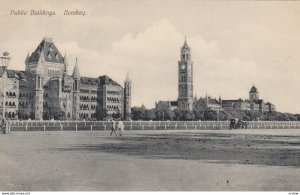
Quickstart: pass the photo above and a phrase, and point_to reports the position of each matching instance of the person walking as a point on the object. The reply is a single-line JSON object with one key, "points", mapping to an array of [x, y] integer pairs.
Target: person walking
{"points": [[113, 127]]}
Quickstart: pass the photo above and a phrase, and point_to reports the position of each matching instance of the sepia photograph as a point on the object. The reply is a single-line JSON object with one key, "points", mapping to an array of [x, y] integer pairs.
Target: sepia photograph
{"points": [[149, 95]]}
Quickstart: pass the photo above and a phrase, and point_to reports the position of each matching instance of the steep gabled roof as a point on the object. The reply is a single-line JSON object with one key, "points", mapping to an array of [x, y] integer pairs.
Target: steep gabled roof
{"points": [[106, 80], [49, 50], [89, 80]]}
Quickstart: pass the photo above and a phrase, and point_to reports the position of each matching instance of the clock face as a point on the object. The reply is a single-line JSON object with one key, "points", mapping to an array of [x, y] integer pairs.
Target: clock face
{"points": [[182, 67]]}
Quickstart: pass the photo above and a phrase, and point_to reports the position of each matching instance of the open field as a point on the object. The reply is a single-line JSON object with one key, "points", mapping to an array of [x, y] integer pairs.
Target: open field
{"points": [[151, 160]]}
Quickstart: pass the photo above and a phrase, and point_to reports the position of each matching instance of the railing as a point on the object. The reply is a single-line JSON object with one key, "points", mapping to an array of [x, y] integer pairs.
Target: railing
{"points": [[34, 125]]}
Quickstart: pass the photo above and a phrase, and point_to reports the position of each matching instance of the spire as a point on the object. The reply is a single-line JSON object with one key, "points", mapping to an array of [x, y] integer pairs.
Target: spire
{"points": [[185, 45], [27, 58], [76, 74], [127, 77], [66, 64]]}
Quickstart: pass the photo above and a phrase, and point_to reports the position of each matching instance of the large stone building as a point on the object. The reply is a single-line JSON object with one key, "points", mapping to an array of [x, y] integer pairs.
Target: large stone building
{"points": [[45, 90]]}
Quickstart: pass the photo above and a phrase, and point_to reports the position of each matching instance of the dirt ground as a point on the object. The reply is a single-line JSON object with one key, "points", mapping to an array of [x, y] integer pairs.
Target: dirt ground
{"points": [[226, 160]]}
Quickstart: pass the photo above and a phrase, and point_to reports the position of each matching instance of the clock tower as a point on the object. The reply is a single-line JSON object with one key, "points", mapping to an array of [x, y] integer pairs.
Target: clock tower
{"points": [[185, 79]]}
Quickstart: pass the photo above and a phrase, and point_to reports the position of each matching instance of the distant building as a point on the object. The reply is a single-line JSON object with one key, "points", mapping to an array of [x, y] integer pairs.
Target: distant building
{"points": [[253, 104], [238, 104], [170, 105], [45, 90], [207, 103]]}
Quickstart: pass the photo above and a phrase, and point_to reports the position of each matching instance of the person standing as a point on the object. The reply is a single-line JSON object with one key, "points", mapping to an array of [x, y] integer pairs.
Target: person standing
{"points": [[113, 127], [121, 127]]}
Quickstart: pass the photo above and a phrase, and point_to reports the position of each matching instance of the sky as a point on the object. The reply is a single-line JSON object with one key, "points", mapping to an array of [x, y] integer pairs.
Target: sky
{"points": [[234, 44]]}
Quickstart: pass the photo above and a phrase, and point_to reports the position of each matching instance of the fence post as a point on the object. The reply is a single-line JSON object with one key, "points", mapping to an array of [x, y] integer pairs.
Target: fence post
{"points": [[61, 127], [91, 127], [44, 127], [76, 126]]}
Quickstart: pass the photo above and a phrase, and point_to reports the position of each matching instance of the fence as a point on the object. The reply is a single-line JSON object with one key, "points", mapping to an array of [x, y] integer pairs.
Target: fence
{"points": [[15, 125]]}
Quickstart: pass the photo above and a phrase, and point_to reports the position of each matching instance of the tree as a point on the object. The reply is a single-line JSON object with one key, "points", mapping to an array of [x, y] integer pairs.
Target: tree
{"points": [[164, 114], [178, 114], [117, 115], [149, 115], [210, 115], [138, 113], [101, 114], [23, 115], [188, 115]]}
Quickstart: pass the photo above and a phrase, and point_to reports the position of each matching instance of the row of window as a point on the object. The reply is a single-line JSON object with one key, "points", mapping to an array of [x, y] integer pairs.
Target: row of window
{"points": [[10, 104], [112, 99], [23, 94], [115, 107], [86, 107], [86, 98], [10, 115], [85, 116], [23, 104], [10, 94]]}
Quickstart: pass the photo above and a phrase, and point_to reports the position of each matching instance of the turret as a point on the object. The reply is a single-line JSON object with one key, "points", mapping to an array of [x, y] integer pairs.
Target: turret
{"points": [[39, 89], [76, 91], [66, 64], [127, 98], [253, 94]]}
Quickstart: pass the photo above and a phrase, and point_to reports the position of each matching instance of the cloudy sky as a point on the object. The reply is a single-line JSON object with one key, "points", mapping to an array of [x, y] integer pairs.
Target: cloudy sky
{"points": [[234, 44]]}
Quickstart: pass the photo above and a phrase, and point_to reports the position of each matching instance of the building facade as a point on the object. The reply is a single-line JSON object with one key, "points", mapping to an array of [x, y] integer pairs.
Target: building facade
{"points": [[45, 90]]}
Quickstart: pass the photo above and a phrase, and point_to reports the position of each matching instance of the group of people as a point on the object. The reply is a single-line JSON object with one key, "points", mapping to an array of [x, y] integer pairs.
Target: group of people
{"points": [[117, 126]]}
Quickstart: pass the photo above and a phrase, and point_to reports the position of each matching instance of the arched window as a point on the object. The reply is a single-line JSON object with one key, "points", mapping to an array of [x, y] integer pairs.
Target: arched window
{"points": [[13, 114], [6, 103], [9, 114]]}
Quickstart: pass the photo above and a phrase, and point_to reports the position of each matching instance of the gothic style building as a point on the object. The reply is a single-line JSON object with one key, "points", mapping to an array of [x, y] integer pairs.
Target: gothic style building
{"points": [[45, 90], [187, 102]]}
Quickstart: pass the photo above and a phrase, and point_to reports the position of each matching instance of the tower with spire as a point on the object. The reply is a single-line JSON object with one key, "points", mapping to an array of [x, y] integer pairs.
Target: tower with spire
{"points": [[185, 78], [76, 91], [127, 98], [253, 94]]}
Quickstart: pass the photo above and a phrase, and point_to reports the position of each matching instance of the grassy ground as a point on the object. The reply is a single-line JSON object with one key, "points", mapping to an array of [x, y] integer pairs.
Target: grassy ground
{"points": [[151, 160]]}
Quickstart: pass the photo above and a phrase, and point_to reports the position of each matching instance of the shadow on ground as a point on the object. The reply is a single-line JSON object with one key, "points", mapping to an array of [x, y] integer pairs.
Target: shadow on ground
{"points": [[213, 147]]}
